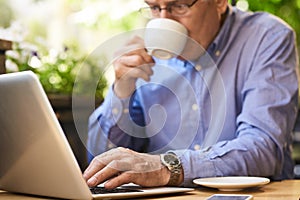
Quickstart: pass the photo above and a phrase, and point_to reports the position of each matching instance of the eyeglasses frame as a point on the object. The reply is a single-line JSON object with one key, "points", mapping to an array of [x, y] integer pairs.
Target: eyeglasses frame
{"points": [[168, 8]]}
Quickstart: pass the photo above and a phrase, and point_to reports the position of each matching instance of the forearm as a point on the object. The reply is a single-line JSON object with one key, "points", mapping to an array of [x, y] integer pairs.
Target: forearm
{"points": [[109, 127], [246, 156]]}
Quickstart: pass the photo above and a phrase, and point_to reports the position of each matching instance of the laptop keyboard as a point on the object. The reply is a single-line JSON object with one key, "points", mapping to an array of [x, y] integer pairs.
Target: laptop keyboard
{"points": [[102, 190]]}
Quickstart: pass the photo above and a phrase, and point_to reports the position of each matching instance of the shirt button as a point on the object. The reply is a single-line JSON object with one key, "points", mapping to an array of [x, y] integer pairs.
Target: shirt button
{"points": [[198, 67], [126, 110], [218, 53], [197, 147], [115, 111], [194, 107]]}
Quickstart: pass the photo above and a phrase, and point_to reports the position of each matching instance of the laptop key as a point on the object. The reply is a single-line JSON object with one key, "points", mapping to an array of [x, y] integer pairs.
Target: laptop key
{"points": [[103, 190]]}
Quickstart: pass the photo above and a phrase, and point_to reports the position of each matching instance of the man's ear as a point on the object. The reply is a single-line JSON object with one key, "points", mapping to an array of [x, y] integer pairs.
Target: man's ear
{"points": [[221, 6]]}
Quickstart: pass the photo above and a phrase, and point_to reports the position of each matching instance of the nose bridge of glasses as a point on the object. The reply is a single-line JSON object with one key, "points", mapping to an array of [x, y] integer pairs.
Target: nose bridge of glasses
{"points": [[162, 12], [166, 8], [165, 12]]}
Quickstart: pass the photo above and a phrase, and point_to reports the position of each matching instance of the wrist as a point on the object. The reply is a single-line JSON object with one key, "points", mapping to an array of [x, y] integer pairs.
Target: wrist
{"points": [[124, 88], [173, 165]]}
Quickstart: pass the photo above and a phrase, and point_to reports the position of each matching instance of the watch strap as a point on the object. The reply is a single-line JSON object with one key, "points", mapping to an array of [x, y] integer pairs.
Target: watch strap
{"points": [[175, 169]]}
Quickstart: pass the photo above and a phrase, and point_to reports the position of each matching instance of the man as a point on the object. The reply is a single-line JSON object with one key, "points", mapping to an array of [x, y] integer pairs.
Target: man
{"points": [[254, 54]]}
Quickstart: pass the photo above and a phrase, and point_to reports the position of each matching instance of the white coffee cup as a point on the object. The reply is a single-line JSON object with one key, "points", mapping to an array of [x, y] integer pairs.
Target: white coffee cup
{"points": [[165, 38]]}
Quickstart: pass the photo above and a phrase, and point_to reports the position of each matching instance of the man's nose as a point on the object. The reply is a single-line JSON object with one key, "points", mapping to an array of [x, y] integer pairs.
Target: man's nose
{"points": [[165, 14]]}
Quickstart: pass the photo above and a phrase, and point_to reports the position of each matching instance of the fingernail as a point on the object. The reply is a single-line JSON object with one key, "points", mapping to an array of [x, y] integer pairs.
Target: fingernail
{"points": [[92, 181], [108, 185]]}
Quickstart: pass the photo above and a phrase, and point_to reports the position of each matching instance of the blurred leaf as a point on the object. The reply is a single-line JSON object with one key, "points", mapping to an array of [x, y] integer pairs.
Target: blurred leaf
{"points": [[58, 71], [6, 14], [288, 10]]}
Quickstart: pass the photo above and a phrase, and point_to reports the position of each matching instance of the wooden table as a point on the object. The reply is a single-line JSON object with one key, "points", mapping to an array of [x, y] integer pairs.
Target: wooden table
{"points": [[285, 190]]}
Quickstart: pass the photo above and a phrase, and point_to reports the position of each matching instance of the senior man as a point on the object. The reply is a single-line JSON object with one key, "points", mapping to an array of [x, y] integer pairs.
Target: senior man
{"points": [[255, 55]]}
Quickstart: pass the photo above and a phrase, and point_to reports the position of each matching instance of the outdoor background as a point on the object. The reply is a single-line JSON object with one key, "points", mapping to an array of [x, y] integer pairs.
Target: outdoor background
{"points": [[55, 38], [57, 35]]}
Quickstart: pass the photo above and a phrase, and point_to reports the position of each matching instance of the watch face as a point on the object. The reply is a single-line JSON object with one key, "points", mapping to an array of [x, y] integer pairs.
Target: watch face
{"points": [[171, 159]]}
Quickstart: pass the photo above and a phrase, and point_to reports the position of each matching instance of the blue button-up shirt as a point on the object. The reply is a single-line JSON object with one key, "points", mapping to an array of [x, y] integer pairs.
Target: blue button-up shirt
{"points": [[229, 113]]}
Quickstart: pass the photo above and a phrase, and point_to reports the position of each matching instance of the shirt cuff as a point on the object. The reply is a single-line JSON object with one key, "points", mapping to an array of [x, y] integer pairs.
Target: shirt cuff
{"points": [[195, 164]]}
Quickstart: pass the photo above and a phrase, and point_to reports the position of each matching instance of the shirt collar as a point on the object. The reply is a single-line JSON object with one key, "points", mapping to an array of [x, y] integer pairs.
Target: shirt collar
{"points": [[216, 47]]}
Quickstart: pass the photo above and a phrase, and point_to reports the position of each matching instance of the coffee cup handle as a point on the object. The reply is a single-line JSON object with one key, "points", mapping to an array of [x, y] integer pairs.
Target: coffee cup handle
{"points": [[160, 54]]}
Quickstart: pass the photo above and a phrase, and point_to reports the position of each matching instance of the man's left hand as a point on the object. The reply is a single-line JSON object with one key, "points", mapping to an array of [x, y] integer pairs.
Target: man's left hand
{"points": [[120, 166]]}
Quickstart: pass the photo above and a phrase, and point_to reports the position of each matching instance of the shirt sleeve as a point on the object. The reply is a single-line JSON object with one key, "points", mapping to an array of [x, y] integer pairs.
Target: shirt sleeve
{"points": [[117, 122], [100, 123], [264, 126]]}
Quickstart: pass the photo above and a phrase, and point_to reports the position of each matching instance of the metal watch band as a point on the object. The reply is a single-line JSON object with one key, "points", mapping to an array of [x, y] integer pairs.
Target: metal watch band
{"points": [[175, 169], [175, 174]]}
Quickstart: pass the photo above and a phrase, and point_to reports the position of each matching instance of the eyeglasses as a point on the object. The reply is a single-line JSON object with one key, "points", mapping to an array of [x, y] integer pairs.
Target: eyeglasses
{"points": [[175, 9]]}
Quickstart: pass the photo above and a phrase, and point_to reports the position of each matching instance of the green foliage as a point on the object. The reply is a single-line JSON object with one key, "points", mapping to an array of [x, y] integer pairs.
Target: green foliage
{"points": [[6, 14], [64, 72], [288, 10], [105, 23]]}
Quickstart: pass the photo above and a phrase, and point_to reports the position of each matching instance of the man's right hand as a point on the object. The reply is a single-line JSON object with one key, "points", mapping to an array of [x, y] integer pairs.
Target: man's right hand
{"points": [[131, 62]]}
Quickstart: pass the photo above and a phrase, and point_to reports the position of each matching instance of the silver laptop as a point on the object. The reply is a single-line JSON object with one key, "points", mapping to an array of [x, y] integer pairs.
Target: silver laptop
{"points": [[35, 156]]}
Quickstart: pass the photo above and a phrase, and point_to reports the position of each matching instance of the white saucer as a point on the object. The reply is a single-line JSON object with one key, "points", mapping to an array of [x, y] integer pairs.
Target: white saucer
{"points": [[232, 183]]}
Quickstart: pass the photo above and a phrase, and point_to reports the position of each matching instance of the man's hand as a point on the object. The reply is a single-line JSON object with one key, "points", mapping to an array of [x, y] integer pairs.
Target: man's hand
{"points": [[120, 166], [131, 62]]}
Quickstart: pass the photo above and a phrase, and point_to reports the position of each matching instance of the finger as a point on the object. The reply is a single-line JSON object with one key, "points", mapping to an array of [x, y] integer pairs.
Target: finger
{"points": [[142, 52], [123, 178], [134, 60], [137, 46], [111, 170], [147, 69], [93, 168], [100, 162], [137, 43], [101, 176], [146, 56], [143, 179], [135, 73]]}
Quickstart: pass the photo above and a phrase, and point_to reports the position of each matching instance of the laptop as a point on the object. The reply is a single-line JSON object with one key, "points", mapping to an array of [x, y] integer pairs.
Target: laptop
{"points": [[35, 155]]}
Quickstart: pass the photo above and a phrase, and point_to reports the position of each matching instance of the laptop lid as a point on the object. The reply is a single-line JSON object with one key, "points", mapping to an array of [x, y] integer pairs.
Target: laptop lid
{"points": [[35, 155]]}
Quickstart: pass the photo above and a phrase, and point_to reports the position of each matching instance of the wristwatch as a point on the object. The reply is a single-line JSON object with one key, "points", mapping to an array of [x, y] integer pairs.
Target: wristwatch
{"points": [[172, 162]]}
